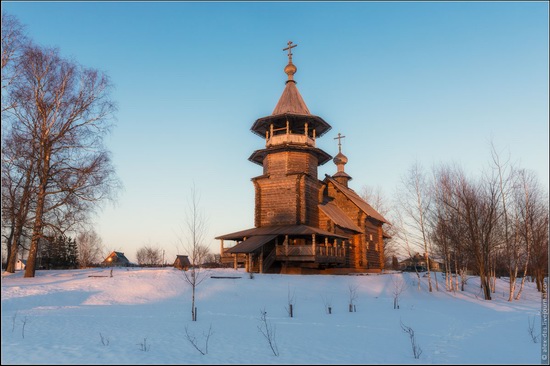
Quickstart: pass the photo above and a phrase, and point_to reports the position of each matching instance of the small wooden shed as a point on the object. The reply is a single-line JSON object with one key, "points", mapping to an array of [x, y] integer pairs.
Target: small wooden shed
{"points": [[182, 262], [116, 259]]}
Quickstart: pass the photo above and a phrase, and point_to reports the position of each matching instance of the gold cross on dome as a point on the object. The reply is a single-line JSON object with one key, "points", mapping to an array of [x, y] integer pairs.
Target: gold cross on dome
{"points": [[339, 138], [289, 48]]}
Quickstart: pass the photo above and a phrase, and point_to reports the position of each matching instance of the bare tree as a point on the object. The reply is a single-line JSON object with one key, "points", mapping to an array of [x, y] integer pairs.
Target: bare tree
{"points": [[448, 227], [352, 291], [327, 301], [414, 200], [18, 180], [149, 256], [193, 242], [510, 239], [398, 287], [62, 112], [193, 340], [269, 332], [445, 236], [539, 251], [532, 222], [90, 248], [417, 351], [291, 302], [531, 330], [402, 235], [17, 170], [475, 206], [14, 41]]}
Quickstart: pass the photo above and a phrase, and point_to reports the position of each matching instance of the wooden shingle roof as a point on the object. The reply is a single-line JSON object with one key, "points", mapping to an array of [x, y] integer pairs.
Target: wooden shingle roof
{"points": [[279, 230], [357, 200], [251, 244], [182, 260], [291, 101], [338, 216]]}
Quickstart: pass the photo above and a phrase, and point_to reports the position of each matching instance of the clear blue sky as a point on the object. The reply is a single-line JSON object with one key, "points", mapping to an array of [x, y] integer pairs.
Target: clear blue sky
{"points": [[403, 81]]}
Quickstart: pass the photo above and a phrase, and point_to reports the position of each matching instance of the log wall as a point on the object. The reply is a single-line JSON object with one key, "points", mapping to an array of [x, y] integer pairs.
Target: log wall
{"points": [[287, 193]]}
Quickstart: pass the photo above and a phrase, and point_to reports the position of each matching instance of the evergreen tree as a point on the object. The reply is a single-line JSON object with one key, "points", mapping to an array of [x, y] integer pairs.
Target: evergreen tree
{"points": [[72, 254]]}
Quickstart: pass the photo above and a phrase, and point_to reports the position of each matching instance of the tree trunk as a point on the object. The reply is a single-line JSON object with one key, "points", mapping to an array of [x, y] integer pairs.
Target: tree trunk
{"points": [[485, 285], [10, 265], [30, 268]]}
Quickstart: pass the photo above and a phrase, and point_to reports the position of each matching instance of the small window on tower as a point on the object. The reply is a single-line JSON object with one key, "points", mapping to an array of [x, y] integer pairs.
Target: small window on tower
{"points": [[370, 236]]}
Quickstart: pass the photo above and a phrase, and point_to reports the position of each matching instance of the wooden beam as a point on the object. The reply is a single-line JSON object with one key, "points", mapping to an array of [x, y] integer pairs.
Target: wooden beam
{"points": [[262, 260]]}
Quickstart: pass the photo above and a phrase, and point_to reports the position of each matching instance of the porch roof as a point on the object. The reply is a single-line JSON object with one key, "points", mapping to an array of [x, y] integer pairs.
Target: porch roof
{"points": [[280, 230], [251, 244]]}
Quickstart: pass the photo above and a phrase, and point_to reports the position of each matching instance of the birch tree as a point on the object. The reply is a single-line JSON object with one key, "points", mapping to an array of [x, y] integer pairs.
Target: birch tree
{"points": [[17, 171], [62, 112], [505, 174], [475, 204], [90, 248], [532, 203], [193, 242], [414, 200], [14, 40]]}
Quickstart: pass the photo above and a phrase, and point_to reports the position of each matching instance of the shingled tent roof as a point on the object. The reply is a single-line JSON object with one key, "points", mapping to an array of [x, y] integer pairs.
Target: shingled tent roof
{"points": [[291, 101], [357, 200], [290, 107]]}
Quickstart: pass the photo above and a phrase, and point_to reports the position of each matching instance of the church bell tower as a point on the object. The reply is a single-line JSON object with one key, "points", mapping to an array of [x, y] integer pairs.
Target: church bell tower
{"points": [[287, 191]]}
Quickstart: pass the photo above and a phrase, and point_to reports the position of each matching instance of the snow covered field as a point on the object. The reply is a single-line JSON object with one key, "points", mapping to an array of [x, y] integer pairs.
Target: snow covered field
{"points": [[60, 317]]}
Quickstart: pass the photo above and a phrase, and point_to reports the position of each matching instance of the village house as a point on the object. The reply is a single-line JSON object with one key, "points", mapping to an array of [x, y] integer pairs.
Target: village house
{"points": [[421, 263], [303, 224], [116, 259]]}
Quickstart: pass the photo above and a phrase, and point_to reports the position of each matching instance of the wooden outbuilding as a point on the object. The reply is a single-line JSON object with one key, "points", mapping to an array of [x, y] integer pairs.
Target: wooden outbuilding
{"points": [[182, 262], [116, 259], [21, 264], [303, 224]]}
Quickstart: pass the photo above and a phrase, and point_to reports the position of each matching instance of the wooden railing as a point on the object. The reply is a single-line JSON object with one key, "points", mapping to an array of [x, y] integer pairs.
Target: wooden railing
{"points": [[316, 252], [294, 250], [330, 251], [290, 138]]}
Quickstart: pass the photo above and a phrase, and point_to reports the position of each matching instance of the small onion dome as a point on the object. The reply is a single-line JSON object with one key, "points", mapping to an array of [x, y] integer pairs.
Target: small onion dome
{"points": [[290, 70], [340, 159]]}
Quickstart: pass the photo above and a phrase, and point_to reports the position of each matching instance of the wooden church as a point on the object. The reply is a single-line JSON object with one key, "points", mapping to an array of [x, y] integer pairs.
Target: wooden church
{"points": [[303, 224]]}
